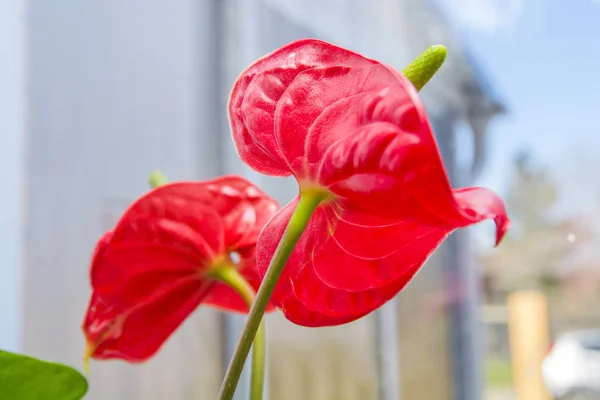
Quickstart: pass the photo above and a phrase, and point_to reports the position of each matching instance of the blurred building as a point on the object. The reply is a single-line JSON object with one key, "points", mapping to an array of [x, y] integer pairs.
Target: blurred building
{"points": [[119, 88]]}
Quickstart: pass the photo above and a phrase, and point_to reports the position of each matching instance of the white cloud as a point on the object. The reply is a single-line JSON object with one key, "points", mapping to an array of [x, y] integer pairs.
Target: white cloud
{"points": [[488, 16]]}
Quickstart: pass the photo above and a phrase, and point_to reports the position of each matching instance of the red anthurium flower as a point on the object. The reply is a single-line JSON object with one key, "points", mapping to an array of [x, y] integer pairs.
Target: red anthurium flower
{"points": [[354, 130], [154, 268]]}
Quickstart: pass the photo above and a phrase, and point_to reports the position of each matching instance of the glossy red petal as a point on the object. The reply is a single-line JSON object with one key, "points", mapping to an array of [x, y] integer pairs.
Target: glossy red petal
{"points": [[260, 89], [254, 119], [283, 296], [346, 256], [479, 204], [161, 235], [383, 173], [245, 209], [295, 311], [178, 215], [378, 238], [139, 273], [338, 258], [134, 334], [340, 303], [350, 286], [252, 151], [148, 273], [392, 175], [389, 107], [242, 206], [146, 281], [304, 298], [320, 96]]}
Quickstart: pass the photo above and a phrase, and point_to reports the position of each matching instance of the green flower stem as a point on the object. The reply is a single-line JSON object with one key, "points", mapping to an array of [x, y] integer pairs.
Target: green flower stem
{"points": [[232, 278], [422, 69], [309, 201]]}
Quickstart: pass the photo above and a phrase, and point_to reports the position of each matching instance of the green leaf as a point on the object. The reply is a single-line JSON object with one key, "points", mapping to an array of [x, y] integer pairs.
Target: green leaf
{"points": [[27, 378]]}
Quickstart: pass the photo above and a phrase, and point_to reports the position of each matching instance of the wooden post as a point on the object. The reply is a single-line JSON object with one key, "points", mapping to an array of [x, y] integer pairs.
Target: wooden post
{"points": [[529, 339]]}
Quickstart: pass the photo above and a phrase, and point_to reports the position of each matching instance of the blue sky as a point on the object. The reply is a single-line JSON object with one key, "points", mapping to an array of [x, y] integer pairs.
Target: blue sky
{"points": [[541, 55]]}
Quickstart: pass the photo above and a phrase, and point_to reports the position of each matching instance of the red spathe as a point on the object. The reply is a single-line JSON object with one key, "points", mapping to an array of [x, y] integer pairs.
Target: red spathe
{"points": [[356, 128], [149, 273]]}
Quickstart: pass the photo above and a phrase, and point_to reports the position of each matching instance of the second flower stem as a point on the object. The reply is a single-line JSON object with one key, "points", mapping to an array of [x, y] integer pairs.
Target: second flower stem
{"points": [[309, 201], [232, 278]]}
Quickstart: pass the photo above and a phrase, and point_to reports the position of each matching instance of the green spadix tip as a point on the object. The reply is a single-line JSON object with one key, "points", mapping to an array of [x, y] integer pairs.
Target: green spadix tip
{"points": [[422, 69], [156, 179]]}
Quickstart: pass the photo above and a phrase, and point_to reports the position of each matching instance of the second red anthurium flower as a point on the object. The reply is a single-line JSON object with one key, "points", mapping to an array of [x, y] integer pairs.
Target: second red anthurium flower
{"points": [[354, 132], [163, 259]]}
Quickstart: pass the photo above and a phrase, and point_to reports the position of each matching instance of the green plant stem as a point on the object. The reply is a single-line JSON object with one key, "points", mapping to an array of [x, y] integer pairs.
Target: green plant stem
{"points": [[232, 278], [309, 201], [422, 69]]}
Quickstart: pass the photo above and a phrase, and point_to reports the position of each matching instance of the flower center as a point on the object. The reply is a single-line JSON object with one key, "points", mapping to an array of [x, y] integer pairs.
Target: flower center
{"points": [[315, 190], [227, 260]]}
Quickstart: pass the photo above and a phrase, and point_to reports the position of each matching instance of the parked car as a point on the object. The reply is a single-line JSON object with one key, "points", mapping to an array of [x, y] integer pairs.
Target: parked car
{"points": [[571, 368]]}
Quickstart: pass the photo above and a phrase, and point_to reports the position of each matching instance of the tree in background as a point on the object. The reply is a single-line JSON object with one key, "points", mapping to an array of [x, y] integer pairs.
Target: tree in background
{"points": [[541, 248]]}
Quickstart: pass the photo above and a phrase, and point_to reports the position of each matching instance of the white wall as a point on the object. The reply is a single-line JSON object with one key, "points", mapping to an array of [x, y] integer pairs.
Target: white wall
{"points": [[12, 83], [117, 89]]}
